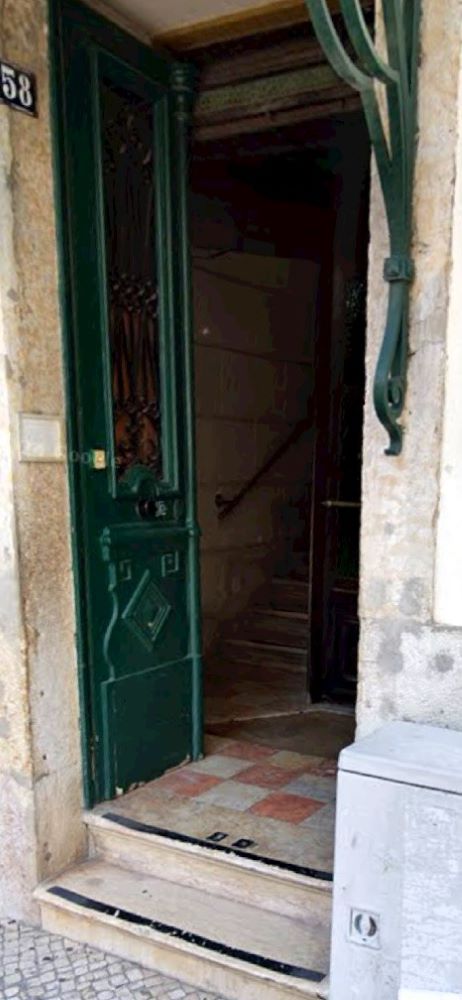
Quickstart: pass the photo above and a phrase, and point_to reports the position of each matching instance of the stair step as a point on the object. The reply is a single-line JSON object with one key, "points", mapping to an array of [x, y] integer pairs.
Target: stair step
{"points": [[226, 665], [217, 944], [284, 888], [288, 614], [288, 593], [270, 625], [265, 654]]}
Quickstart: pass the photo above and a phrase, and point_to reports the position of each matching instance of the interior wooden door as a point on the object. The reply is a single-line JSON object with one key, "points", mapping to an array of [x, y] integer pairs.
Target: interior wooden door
{"points": [[339, 403]]}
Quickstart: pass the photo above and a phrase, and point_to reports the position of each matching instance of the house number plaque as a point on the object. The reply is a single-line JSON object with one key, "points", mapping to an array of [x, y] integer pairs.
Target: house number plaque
{"points": [[18, 88]]}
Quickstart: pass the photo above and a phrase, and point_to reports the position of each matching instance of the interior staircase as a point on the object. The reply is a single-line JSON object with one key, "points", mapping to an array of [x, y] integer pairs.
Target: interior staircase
{"points": [[216, 918], [259, 667], [274, 631]]}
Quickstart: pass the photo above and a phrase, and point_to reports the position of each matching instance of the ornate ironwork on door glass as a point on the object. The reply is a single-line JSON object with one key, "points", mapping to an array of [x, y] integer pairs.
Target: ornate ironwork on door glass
{"points": [[129, 200]]}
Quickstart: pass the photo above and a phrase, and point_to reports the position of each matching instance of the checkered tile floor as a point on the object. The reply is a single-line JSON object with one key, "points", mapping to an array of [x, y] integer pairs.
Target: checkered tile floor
{"points": [[250, 778], [275, 803]]}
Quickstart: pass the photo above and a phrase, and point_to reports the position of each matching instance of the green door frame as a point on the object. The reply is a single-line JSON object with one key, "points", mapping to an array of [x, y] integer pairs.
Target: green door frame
{"points": [[182, 76]]}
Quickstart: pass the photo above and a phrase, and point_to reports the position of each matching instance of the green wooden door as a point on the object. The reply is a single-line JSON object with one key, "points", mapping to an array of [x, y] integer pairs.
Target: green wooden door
{"points": [[123, 157]]}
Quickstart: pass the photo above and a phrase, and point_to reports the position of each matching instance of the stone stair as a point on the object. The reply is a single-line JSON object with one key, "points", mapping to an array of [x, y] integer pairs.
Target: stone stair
{"points": [[222, 920], [259, 667], [274, 632]]}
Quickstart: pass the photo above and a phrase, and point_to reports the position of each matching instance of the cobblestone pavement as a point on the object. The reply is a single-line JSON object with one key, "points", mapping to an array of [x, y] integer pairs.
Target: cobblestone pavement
{"points": [[36, 965]]}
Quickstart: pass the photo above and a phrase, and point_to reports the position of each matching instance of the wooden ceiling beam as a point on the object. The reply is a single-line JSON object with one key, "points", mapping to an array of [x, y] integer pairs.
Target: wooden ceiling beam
{"points": [[277, 119], [289, 55]]}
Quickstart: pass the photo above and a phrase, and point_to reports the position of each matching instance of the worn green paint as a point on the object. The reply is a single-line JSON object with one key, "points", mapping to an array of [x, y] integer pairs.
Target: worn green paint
{"points": [[395, 162], [137, 582]]}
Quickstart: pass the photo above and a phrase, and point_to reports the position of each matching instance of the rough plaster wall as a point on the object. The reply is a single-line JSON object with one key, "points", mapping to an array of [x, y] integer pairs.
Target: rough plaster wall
{"points": [[410, 668], [39, 738], [254, 376]]}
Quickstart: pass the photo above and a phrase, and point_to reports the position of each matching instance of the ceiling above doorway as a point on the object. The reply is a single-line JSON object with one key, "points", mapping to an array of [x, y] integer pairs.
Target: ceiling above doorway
{"points": [[188, 24]]}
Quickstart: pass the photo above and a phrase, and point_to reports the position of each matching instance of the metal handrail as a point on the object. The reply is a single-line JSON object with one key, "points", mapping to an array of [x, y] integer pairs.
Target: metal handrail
{"points": [[225, 506], [342, 504]]}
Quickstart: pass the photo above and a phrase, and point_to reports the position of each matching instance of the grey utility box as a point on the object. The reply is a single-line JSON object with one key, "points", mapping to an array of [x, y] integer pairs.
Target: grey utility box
{"points": [[397, 918]]}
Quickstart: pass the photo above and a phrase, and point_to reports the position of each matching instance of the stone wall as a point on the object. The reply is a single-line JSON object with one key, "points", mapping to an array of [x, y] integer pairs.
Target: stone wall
{"points": [[254, 333], [40, 780], [410, 667], [448, 576]]}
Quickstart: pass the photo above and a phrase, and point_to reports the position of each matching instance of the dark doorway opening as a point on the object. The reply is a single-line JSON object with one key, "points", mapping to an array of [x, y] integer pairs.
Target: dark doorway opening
{"points": [[286, 206]]}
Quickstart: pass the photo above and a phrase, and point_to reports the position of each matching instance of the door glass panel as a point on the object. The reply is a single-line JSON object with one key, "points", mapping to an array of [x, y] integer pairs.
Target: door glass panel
{"points": [[132, 288]]}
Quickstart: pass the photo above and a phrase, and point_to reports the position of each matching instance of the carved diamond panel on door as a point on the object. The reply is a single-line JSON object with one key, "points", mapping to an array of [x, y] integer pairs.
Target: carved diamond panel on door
{"points": [[146, 611], [146, 649], [148, 615]]}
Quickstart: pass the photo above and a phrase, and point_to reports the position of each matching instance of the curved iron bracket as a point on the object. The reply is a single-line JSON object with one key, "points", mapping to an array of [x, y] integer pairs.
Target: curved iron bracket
{"points": [[394, 150]]}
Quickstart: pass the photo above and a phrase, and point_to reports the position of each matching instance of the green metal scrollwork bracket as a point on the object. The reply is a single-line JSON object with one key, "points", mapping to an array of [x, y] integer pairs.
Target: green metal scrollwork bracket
{"points": [[395, 156]]}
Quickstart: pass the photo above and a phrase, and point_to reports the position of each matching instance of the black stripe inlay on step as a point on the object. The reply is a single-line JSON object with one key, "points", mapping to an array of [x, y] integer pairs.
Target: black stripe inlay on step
{"points": [[183, 838], [196, 939]]}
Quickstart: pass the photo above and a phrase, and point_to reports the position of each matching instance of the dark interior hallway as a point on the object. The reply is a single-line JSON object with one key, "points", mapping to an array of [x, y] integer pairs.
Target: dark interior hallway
{"points": [[279, 278]]}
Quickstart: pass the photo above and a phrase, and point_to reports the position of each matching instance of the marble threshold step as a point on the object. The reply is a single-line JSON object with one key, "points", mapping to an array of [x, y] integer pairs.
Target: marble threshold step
{"points": [[293, 890], [218, 944]]}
